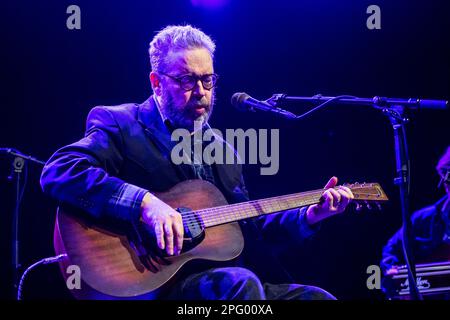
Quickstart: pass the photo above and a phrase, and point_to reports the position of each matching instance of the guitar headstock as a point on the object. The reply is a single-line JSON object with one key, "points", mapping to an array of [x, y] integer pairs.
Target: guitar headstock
{"points": [[367, 194]]}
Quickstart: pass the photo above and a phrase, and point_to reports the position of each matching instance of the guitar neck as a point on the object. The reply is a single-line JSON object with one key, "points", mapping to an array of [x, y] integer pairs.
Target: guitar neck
{"points": [[239, 211], [370, 192]]}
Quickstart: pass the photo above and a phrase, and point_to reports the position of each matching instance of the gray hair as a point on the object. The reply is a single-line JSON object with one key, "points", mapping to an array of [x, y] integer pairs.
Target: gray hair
{"points": [[173, 38]]}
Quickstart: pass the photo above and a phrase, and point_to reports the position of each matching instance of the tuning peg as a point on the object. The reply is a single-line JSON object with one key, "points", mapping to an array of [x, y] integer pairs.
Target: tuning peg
{"points": [[378, 206], [368, 205], [359, 207]]}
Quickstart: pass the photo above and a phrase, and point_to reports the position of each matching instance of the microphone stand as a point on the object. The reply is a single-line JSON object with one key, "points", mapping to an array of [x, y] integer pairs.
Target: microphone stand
{"points": [[278, 100], [18, 168], [399, 121], [395, 109]]}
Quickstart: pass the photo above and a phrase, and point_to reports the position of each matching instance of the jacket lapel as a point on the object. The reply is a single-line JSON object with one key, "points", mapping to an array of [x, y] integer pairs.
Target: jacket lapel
{"points": [[151, 121]]}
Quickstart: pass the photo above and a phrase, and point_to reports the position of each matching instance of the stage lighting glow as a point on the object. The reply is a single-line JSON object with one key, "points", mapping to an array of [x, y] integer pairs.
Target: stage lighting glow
{"points": [[209, 4]]}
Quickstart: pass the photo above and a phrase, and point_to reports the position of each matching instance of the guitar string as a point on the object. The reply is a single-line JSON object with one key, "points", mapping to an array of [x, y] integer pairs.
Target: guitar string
{"points": [[212, 217], [210, 213], [243, 207], [247, 209]]}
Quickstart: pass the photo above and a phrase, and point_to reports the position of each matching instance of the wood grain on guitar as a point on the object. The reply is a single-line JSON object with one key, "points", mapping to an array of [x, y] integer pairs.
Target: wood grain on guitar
{"points": [[112, 267]]}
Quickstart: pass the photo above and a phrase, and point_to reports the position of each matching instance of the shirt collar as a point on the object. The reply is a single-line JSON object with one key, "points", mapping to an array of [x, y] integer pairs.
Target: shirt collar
{"points": [[164, 119]]}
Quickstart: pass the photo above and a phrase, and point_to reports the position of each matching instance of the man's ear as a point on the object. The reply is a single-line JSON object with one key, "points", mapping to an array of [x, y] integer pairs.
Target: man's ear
{"points": [[156, 83]]}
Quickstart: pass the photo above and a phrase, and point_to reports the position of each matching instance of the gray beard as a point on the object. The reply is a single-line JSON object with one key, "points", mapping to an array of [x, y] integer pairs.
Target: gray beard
{"points": [[183, 119]]}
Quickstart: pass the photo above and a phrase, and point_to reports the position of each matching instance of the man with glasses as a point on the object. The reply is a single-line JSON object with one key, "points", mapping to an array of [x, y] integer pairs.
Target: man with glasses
{"points": [[126, 152], [431, 228]]}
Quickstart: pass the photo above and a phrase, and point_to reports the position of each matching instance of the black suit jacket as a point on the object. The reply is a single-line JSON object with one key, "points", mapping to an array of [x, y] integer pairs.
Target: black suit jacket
{"points": [[125, 143], [130, 144]]}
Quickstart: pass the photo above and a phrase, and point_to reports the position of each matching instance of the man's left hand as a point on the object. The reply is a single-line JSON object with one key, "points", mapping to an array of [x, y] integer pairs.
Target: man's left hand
{"points": [[335, 201]]}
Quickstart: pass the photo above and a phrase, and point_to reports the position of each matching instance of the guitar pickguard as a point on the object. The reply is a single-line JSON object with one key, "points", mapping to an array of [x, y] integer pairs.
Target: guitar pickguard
{"points": [[194, 231]]}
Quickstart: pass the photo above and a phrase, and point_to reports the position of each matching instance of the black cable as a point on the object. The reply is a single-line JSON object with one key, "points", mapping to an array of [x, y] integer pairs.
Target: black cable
{"points": [[323, 104], [43, 261]]}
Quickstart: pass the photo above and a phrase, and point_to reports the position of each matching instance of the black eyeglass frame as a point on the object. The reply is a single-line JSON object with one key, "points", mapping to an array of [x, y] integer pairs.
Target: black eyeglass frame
{"points": [[189, 86]]}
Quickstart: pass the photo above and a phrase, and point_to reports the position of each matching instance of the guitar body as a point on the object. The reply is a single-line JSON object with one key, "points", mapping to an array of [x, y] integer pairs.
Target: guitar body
{"points": [[109, 264], [116, 265]]}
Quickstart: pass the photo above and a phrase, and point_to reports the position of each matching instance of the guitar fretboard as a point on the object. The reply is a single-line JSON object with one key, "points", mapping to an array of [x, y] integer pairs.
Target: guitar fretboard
{"points": [[239, 211]]}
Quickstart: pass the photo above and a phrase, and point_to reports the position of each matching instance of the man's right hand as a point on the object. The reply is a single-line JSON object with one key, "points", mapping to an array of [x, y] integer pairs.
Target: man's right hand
{"points": [[165, 222]]}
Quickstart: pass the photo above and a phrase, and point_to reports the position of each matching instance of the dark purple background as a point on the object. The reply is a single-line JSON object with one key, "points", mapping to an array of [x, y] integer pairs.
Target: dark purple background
{"points": [[53, 76]]}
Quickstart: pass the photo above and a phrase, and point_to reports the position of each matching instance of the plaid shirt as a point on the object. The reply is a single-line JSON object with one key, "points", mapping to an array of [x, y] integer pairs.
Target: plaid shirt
{"points": [[126, 201], [201, 169]]}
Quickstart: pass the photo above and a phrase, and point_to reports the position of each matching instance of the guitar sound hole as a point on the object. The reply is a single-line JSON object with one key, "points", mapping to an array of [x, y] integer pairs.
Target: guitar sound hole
{"points": [[194, 232]]}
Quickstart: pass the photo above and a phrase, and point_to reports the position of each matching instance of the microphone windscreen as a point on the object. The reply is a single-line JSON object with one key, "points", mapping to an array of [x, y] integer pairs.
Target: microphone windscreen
{"points": [[237, 100]]}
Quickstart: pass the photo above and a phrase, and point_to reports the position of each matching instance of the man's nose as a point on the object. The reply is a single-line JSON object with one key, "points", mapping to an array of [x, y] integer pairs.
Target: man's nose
{"points": [[199, 90]]}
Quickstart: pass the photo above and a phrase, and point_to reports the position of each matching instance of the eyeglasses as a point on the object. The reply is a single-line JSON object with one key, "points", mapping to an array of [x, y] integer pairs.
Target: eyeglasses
{"points": [[187, 82]]}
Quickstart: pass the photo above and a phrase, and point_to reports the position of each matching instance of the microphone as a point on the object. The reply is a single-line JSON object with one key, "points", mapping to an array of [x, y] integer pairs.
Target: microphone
{"points": [[243, 102]]}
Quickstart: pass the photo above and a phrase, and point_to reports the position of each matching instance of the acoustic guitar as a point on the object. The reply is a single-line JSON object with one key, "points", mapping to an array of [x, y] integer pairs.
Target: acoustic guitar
{"points": [[114, 265]]}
